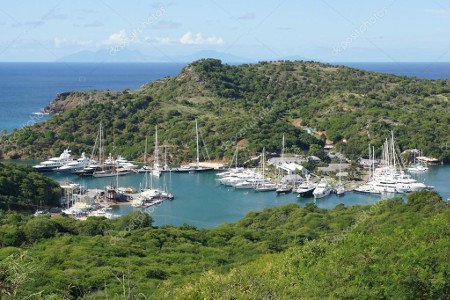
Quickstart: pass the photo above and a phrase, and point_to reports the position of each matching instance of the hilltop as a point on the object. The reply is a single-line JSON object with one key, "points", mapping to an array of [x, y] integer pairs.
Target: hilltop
{"points": [[254, 104]]}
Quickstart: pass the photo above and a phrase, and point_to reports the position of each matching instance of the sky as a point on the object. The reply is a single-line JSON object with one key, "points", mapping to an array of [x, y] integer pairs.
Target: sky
{"points": [[324, 30]]}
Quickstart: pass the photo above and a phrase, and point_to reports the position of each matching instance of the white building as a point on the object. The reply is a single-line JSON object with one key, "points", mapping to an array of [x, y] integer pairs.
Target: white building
{"points": [[292, 168]]}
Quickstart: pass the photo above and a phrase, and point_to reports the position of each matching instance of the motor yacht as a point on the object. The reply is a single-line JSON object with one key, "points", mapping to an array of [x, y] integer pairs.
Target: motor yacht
{"points": [[77, 165], [322, 189], [55, 162]]}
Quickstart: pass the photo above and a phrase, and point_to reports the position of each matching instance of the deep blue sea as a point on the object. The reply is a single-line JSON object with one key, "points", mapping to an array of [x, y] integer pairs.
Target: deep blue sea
{"points": [[420, 70], [28, 87]]}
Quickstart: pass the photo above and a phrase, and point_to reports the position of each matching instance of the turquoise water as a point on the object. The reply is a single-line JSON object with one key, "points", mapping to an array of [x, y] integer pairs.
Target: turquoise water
{"points": [[200, 201]]}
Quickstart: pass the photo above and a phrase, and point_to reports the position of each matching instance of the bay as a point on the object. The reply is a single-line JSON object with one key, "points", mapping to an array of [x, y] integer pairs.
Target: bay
{"points": [[200, 201]]}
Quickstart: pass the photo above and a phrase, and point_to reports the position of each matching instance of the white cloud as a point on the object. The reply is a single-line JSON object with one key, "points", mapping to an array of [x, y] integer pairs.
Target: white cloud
{"points": [[118, 38], [159, 40], [197, 39]]}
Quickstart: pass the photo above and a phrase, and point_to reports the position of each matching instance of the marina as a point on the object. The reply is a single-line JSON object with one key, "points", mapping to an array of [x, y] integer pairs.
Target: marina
{"points": [[274, 181], [203, 202]]}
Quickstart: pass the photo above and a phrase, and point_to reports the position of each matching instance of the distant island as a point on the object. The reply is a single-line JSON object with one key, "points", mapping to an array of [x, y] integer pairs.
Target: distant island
{"points": [[251, 104]]}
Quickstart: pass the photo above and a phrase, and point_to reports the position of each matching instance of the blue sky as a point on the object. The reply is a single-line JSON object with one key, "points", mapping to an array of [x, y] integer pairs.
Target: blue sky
{"points": [[325, 30]]}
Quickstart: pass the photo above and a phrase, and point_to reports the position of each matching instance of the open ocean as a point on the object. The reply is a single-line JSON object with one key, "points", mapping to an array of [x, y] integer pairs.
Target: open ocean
{"points": [[28, 87]]}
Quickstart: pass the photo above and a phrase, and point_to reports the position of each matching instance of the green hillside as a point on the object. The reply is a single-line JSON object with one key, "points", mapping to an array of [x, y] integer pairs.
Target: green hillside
{"points": [[254, 104], [390, 250], [23, 189]]}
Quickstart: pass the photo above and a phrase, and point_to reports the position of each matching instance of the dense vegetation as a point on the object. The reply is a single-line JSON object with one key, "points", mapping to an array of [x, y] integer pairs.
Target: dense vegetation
{"points": [[21, 188], [388, 250], [254, 105]]}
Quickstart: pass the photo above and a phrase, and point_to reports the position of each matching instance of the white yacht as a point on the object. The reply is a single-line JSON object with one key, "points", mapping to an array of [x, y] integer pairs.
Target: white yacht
{"points": [[124, 163], [306, 188], [111, 173], [263, 184], [78, 164], [322, 189], [246, 184], [55, 162], [266, 186], [389, 177], [417, 168]]}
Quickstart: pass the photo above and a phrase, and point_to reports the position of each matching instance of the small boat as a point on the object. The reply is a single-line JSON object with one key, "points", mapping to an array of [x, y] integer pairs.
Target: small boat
{"points": [[417, 168], [185, 168], [322, 189], [111, 173], [266, 187], [244, 185], [101, 212], [340, 190], [41, 213], [283, 189]]}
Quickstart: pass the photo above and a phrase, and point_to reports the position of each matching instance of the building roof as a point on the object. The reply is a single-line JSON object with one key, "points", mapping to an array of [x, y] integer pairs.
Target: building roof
{"points": [[333, 167], [279, 161], [290, 167]]}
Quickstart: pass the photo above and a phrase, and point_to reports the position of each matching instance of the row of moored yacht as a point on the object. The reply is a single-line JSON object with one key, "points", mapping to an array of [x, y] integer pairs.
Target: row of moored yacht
{"points": [[389, 176]]}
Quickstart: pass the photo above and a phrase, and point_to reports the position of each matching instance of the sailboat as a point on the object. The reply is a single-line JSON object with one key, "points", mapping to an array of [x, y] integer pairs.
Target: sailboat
{"points": [[282, 188], [145, 167], [417, 167], [109, 167], [156, 171], [389, 176], [190, 167], [264, 185], [98, 164]]}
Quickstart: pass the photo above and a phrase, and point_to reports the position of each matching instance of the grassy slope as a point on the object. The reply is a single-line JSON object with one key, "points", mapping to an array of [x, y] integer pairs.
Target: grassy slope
{"points": [[391, 250], [257, 103], [398, 253]]}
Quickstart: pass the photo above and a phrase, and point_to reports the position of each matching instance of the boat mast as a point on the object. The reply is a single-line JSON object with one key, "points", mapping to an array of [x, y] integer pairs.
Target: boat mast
{"points": [[263, 166], [165, 157], [145, 151], [393, 151], [101, 146], [156, 164], [370, 161], [237, 150], [198, 153]]}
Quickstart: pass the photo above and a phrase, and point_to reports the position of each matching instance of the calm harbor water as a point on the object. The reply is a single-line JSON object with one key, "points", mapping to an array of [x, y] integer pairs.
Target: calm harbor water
{"points": [[200, 201]]}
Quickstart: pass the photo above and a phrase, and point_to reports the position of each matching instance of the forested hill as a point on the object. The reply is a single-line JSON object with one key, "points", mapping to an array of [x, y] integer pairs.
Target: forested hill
{"points": [[254, 104]]}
